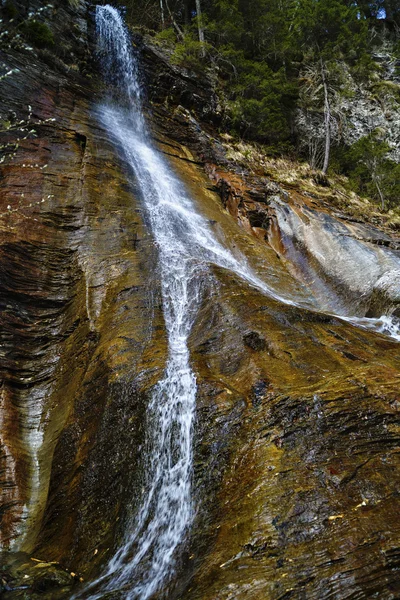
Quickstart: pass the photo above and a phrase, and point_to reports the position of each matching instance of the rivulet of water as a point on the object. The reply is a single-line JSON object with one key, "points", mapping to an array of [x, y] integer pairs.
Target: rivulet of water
{"points": [[186, 246]]}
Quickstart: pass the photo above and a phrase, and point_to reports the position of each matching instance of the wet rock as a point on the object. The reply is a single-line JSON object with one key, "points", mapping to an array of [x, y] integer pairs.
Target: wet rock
{"points": [[300, 478], [385, 297], [352, 268], [24, 578], [296, 473], [255, 341], [259, 391], [77, 315]]}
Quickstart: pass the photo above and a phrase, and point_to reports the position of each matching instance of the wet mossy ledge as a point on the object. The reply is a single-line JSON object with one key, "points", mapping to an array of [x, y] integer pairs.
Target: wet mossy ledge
{"points": [[296, 469]]}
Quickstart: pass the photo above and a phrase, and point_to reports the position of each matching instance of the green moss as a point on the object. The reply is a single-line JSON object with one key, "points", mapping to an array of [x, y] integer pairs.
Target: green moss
{"points": [[38, 33]]}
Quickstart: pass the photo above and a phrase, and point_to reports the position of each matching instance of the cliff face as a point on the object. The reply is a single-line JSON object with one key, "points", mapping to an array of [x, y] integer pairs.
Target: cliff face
{"points": [[360, 108], [78, 313], [296, 470], [293, 408]]}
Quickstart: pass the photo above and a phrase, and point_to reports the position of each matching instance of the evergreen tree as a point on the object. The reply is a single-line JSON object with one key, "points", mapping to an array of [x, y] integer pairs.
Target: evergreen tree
{"points": [[372, 172], [273, 56], [327, 31]]}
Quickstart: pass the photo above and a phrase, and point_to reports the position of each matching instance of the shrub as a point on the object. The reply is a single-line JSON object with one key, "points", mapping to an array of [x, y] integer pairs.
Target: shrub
{"points": [[188, 53], [167, 36], [39, 34], [371, 172]]}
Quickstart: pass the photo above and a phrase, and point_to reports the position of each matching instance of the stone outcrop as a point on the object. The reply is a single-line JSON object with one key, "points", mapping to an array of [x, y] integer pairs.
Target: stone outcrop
{"points": [[386, 294], [172, 86], [296, 469], [363, 108], [341, 261]]}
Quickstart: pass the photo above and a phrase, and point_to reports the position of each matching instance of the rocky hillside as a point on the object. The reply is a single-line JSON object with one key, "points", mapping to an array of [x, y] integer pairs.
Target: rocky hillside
{"points": [[296, 463], [361, 107]]}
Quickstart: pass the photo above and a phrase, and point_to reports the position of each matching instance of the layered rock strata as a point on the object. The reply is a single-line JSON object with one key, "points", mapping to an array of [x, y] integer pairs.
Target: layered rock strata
{"points": [[296, 439]]}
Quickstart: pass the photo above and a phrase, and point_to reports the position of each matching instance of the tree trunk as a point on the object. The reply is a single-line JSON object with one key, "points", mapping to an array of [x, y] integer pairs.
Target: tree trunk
{"points": [[327, 120], [175, 24], [162, 14], [200, 28], [375, 179], [186, 8]]}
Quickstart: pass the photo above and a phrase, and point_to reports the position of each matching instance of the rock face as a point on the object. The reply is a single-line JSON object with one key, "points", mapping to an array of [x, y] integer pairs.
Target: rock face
{"points": [[303, 498], [343, 262], [386, 294], [296, 464], [78, 311], [173, 86], [290, 470], [363, 109]]}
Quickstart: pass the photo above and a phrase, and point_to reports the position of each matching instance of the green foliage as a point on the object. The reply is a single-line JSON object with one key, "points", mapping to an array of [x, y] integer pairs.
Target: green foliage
{"points": [[38, 33], [261, 101], [371, 172], [332, 30], [226, 26], [389, 89], [364, 68], [166, 36], [188, 53], [270, 58], [327, 26]]}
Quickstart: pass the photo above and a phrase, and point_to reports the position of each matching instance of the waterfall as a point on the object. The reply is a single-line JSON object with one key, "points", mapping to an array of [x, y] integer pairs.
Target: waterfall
{"points": [[166, 512], [186, 247]]}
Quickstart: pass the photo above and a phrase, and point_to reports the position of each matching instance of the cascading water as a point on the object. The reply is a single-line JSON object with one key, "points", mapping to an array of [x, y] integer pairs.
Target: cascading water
{"points": [[167, 510], [186, 245]]}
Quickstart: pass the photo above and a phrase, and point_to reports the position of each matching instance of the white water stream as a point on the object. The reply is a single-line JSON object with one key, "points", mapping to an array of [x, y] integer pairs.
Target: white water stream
{"points": [[186, 245]]}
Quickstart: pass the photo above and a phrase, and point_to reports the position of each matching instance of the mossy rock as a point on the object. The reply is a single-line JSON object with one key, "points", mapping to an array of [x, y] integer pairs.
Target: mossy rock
{"points": [[51, 578], [38, 34]]}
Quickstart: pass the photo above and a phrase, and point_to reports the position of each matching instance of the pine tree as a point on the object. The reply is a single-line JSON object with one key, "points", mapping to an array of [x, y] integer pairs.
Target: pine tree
{"points": [[328, 31]]}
